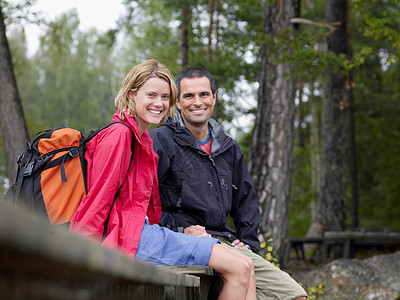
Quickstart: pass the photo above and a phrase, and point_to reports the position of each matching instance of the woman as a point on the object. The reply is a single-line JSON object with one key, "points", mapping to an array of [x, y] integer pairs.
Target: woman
{"points": [[147, 97]]}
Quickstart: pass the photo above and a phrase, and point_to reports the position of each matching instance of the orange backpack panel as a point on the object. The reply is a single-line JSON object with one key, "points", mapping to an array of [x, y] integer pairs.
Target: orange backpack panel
{"points": [[62, 198]]}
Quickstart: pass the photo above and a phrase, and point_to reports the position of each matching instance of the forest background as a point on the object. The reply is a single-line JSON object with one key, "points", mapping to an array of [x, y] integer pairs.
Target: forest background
{"points": [[306, 87]]}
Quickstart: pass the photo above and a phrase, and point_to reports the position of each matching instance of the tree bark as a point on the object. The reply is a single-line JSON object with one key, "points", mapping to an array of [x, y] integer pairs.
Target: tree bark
{"points": [[352, 136], [217, 9], [271, 149], [13, 127], [300, 116], [331, 207], [315, 155], [211, 11], [209, 31], [185, 17]]}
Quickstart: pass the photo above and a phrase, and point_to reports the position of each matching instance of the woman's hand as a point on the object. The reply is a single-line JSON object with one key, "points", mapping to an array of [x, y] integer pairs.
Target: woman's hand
{"points": [[196, 230], [239, 244]]}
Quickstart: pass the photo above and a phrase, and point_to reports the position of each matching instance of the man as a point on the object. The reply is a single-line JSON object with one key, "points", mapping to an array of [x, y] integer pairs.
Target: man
{"points": [[203, 178]]}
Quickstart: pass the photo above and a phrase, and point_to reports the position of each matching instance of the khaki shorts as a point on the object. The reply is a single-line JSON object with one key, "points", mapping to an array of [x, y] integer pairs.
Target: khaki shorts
{"points": [[271, 282]]}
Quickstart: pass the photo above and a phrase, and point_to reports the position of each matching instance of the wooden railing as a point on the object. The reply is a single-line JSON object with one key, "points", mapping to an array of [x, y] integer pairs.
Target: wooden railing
{"points": [[39, 261], [348, 240]]}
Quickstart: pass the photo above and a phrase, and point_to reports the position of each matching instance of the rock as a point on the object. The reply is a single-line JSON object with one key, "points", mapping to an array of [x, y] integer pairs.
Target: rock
{"points": [[373, 278], [315, 230]]}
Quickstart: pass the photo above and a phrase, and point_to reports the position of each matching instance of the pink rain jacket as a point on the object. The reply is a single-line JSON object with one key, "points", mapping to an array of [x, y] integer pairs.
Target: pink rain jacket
{"points": [[108, 155]]}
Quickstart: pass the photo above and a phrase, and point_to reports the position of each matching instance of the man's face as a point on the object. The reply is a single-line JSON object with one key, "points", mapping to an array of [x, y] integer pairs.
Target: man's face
{"points": [[196, 101]]}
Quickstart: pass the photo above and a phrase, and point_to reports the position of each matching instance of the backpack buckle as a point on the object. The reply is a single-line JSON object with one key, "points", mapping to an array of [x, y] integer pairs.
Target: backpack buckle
{"points": [[73, 152], [20, 157], [29, 169]]}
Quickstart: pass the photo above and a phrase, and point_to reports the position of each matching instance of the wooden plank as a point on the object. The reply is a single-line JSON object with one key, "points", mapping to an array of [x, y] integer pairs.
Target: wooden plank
{"points": [[186, 269], [55, 248], [349, 239]]}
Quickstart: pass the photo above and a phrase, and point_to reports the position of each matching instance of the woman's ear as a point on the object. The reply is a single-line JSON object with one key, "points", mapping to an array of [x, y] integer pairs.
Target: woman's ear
{"points": [[131, 95]]}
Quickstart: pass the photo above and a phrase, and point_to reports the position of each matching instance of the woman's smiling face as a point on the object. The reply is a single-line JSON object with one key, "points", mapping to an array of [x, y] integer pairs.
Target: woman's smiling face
{"points": [[151, 102]]}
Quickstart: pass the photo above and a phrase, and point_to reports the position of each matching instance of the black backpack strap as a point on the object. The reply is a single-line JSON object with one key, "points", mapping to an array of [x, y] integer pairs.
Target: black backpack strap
{"points": [[15, 189], [119, 189], [9, 193]]}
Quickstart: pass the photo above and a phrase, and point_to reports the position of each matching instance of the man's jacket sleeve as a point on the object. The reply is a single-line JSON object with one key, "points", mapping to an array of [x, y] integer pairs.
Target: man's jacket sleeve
{"points": [[245, 210]]}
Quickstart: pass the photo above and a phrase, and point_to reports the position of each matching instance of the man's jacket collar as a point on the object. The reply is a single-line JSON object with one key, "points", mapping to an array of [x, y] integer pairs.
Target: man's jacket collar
{"points": [[219, 138]]}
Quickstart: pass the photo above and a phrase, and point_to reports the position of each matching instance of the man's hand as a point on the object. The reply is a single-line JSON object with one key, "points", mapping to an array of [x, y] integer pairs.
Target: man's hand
{"points": [[196, 230], [239, 244]]}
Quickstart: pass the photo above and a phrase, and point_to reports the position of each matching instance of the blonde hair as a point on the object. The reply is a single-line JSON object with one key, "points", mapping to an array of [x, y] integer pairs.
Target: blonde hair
{"points": [[136, 77]]}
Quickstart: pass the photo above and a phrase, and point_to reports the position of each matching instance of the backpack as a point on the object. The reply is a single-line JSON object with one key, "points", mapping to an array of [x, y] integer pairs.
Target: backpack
{"points": [[52, 172]]}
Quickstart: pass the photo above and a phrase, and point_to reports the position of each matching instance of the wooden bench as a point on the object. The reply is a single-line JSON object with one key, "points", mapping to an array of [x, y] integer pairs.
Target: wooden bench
{"points": [[39, 261], [349, 240], [210, 282]]}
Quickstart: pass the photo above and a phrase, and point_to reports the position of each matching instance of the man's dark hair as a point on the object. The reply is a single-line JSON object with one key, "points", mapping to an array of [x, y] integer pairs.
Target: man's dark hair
{"points": [[195, 72]]}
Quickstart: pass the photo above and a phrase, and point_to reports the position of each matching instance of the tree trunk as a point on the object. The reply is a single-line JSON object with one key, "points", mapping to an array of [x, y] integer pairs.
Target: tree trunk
{"points": [[300, 116], [315, 156], [271, 149], [217, 9], [13, 127], [353, 157], [331, 208], [211, 11], [185, 25], [352, 136], [209, 31]]}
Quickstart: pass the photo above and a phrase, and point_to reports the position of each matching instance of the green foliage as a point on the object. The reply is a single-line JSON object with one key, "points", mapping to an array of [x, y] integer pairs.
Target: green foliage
{"points": [[314, 291], [379, 20], [268, 252], [378, 155], [20, 11], [302, 197], [152, 33], [75, 82], [376, 96], [244, 140], [358, 59]]}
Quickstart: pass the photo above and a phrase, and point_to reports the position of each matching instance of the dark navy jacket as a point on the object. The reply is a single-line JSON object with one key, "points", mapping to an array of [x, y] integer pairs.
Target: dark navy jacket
{"points": [[197, 189]]}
